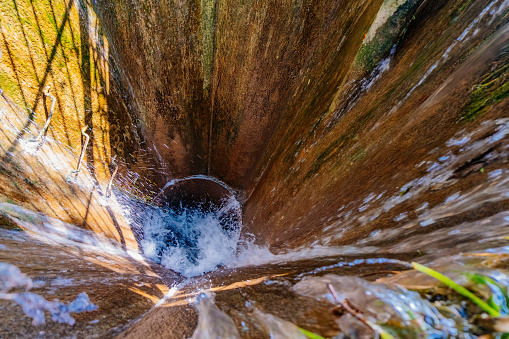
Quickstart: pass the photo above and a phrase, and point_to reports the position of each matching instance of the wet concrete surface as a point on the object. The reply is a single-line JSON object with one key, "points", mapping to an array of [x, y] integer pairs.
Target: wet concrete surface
{"points": [[396, 143]]}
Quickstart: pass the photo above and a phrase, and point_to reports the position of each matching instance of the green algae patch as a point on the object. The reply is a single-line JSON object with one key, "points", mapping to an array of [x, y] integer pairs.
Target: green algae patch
{"points": [[359, 154], [491, 90], [325, 155], [460, 10], [387, 34]]}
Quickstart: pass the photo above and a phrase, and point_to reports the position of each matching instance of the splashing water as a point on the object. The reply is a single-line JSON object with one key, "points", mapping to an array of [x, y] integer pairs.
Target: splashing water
{"points": [[212, 322], [35, 305], [403, 312], [276, 327], [192, 240]]}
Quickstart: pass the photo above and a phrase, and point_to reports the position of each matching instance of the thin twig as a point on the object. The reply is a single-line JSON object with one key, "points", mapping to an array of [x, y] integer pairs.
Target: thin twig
{"points": [[82, 155], [347, 307], [46, 125], [108, 190], [379, 272]]}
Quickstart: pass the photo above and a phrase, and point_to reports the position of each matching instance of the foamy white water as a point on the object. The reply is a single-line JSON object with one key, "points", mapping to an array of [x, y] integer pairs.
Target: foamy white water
{"points": [[192, 241]]}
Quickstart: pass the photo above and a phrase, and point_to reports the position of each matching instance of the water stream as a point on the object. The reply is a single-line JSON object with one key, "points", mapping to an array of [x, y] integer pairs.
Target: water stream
{"points": [[342, 145], [192, 240]]}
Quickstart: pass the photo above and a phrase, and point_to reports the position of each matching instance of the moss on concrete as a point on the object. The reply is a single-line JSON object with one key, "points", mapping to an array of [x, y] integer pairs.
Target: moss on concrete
{"points": [[386, 36], [42, 44], [492, 89]]}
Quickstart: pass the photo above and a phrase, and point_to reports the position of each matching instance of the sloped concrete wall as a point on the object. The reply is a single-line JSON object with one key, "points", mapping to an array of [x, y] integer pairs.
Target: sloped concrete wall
{"points": [[55, 63], [342, 122], [323, 113], [340, 168]]}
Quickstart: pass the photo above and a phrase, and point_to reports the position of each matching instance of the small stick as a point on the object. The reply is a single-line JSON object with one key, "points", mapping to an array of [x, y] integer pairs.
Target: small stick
{"points": [[108, 190], [347, 307], [379, 272], [46, 125], [87, 138]]}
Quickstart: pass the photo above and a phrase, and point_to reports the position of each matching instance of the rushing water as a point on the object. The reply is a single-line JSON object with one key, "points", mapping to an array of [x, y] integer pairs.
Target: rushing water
{"points": [[192, 240], [196, 238]]}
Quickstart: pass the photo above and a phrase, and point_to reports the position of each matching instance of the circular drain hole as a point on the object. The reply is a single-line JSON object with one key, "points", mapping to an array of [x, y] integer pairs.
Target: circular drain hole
{"points": [[193, 226]]}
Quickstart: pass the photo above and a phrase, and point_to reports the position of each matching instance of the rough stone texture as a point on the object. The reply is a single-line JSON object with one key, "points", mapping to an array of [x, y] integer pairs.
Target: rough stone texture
{"points": [[158, 49], [266, 287], [38, 176], [267, 56], [302, 127], [334, 140], [333, 154], [57, 44], [256, 95]]}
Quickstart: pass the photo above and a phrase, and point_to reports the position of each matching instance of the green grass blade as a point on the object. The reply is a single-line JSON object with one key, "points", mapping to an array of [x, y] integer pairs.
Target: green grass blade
{"points": [[383, 333], [310, 334], [460, 289]]}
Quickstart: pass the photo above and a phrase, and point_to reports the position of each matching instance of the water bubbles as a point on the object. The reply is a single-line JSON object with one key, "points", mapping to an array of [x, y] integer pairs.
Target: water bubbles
{"points": [[212, 322], [401, 216], [35, 305], [192, 240], [458, 141], [452, 198], [427, 222]]}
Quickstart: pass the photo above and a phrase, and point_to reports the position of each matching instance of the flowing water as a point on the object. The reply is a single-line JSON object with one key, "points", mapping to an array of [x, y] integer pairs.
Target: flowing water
{"points": [[346, 194], [196, 238], [192, 240], [197, 230]]}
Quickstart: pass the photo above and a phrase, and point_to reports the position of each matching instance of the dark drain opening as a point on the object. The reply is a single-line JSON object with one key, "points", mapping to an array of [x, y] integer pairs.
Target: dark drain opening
{"points": [[193, 226]]}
